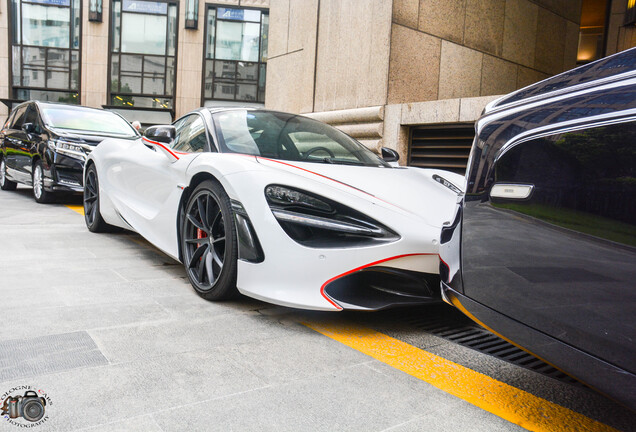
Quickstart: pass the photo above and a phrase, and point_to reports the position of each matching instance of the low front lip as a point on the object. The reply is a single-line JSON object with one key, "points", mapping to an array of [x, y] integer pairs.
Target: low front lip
{"points": [[375, 263]]}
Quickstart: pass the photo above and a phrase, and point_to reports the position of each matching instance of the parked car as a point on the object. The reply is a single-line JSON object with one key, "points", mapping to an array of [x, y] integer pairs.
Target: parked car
{"points": [[285, 208], [542, 250], [44, 145]]}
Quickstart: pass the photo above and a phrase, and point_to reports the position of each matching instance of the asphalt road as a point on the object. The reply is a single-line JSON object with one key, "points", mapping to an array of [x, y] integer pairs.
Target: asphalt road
{"points": [[109, 331]]}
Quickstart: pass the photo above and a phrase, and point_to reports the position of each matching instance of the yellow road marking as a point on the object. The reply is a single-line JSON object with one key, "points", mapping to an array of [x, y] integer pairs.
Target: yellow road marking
{"points": [[510, 403], [76, 208]]}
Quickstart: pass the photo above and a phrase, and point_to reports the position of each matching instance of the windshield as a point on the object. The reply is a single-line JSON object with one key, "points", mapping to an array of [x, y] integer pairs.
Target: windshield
{"points": [[87, 120], [290, 137]]}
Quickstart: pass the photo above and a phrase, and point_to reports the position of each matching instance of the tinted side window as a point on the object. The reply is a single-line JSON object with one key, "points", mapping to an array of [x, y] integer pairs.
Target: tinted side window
{"points": [[181, 127], [583, 180], [32, 116], [19, 117], [191, 136]]}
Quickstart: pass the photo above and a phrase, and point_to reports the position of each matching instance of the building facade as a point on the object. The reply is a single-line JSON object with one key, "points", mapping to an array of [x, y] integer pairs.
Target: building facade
{"points": [[412, 75], [151, 61]]}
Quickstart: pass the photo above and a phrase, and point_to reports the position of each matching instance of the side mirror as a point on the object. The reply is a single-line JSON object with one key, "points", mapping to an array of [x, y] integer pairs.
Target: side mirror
{"points": [[28, 128], [162, 133], [390, 155]]}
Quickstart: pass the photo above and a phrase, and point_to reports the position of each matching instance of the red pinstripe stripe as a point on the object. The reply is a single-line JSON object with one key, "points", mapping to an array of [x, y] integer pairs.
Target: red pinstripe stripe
{"points": [[315, 173], [163, 147]]}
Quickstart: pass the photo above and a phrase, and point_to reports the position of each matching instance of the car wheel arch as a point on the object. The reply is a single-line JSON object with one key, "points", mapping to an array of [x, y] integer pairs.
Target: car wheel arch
{"points": [[195, 181]]}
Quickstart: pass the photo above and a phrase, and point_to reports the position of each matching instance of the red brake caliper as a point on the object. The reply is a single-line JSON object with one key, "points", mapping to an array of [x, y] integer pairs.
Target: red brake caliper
{"points": [[200, 235]]}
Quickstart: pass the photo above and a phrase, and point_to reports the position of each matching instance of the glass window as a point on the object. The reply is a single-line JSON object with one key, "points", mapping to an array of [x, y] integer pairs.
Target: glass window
{"points": [[19, 117], [289, 137], [182, 125], [237, 41], [86, 119], [31, 116], [44, 25], [192, 136], [143, 53], [236, 54], [142, 33], [45, 50]]}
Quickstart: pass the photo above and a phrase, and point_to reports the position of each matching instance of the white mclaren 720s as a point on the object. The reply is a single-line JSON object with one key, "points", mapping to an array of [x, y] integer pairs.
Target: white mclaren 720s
{"points": [[278, 207]]}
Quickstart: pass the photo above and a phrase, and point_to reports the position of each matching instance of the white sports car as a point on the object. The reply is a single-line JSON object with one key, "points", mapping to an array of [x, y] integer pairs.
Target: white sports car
{"points": [[278, 207]]}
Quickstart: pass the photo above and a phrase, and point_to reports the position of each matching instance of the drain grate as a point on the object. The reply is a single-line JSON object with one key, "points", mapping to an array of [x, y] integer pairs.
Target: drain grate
{"points": [[25, 358], [453, 326]]}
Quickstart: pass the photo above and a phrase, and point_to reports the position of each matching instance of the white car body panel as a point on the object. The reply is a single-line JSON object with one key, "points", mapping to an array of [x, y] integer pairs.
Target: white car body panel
{"points": [[141, 189]]}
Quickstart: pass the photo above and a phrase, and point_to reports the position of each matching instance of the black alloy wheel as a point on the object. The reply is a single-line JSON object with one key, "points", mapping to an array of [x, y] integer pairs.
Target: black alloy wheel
{"points": [[5, 184], [208, 242], [39, 193], [92, 216]]}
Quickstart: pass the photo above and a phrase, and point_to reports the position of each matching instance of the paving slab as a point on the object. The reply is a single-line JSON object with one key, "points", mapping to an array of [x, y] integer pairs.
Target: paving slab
{"points": [[110, 329]]}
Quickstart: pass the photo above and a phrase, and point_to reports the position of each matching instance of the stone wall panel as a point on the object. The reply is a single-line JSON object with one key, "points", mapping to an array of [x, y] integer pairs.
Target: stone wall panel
{"points": [[414, 66]]}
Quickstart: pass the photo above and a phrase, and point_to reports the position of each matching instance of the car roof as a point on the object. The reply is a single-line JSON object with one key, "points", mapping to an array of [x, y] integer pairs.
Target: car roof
{"points": [[614, 68], [65, 106], [213, 110]]}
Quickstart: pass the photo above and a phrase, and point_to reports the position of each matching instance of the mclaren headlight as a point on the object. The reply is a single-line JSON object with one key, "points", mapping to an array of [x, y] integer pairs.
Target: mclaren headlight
{"points": [[315, 221], [70, 149]]}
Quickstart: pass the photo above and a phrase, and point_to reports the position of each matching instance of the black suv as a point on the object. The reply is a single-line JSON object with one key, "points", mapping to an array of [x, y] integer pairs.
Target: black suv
{"points": [[44, 145], [543, 248]]}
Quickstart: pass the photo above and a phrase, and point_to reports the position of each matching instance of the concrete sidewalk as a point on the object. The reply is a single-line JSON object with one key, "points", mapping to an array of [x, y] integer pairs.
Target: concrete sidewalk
{"points": [[110, 329]]}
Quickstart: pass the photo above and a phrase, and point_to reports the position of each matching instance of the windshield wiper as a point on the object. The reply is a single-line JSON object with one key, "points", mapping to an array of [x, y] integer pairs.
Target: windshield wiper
{"points": [[330, 160]]}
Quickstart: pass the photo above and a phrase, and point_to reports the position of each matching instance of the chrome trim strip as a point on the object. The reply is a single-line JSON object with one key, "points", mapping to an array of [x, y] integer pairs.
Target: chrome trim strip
{"points": [[490, 117], [561, 91], [511, 191], [565, 127]]}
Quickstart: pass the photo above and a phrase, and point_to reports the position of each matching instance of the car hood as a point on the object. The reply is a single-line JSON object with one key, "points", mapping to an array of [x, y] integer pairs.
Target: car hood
{"points": [[91, 138], [415, 190]]}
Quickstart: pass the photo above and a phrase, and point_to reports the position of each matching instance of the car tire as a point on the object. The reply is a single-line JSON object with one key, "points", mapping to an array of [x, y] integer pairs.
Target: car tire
{"points": [[92, 216], [41, 196], [5, 184], [208, 242]]}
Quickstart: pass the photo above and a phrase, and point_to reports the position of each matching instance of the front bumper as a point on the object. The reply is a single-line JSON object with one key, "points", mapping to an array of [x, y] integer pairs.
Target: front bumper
{"points": [[65, 175], [361, 277]]}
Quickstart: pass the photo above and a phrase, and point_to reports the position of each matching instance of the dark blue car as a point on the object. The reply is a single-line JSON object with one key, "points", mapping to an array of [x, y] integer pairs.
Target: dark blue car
{"points": [[543, 248]]}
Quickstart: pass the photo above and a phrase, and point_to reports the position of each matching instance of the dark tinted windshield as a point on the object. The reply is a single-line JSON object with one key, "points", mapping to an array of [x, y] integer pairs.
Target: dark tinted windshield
{"points": [[289, 137], [87, 120]]}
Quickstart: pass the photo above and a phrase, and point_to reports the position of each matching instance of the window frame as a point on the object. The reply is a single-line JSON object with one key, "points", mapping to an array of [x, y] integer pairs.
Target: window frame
{"points": [[8, 123], [258, 63], [110, 94], [13, 89], [209, 148]]}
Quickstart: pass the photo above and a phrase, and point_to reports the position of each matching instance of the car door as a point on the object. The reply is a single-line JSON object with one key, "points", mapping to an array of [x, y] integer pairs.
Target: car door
{"points": [[15, 148], [6, 128], [563, 259], [30, 143], [149, 184]]}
